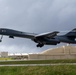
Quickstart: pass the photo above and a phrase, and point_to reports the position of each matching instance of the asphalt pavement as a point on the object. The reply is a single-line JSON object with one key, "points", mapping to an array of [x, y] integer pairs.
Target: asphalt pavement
{"points": [[39, 64]]}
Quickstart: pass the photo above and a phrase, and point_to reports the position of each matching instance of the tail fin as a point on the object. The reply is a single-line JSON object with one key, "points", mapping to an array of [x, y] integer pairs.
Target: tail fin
{"points": [[71, 34]]}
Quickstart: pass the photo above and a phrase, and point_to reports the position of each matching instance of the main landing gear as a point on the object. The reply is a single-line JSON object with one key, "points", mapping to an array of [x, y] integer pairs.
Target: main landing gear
{"points": [[1, 38], [40, 45]]}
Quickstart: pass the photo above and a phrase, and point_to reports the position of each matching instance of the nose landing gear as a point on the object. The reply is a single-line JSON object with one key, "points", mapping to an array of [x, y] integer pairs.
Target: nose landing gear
{"points": [[1, 38]]}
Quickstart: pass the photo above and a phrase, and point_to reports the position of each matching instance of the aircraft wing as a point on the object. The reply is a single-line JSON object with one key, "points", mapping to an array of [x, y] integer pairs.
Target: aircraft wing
{"points": [[48, 35]]}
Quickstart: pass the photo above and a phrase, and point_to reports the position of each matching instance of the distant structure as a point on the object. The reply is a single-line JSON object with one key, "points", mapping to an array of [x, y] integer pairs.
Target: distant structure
{"points": [[64, 52], [18, 56], [4, 54]]}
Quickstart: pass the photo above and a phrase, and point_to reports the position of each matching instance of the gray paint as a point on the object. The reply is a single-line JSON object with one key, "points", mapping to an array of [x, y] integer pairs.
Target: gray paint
{"points": [[35, 16]]}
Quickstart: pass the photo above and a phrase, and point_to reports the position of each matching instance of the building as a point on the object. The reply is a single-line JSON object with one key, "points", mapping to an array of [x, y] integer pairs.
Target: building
{"points": [[4, 54], [18, 56], [64, 52]]}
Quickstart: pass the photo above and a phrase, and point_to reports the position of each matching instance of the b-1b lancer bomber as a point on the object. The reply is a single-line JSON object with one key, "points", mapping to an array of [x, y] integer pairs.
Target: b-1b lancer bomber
{"points": [[50, 38]]}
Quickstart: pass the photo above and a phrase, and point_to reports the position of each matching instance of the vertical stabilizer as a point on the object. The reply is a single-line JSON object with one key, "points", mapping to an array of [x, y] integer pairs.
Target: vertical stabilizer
{"points": [[72, 33]]}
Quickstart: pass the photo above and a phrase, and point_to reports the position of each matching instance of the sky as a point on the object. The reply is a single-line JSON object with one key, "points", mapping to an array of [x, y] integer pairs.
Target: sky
{"points": [[35, 16]]}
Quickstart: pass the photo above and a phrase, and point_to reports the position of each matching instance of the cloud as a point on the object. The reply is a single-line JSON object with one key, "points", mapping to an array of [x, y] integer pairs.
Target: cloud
{"points": [[37, 17]]}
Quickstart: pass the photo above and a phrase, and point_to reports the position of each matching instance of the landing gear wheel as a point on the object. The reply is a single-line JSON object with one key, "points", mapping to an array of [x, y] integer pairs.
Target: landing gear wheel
{"points": [[1, 38], [40, 45]]}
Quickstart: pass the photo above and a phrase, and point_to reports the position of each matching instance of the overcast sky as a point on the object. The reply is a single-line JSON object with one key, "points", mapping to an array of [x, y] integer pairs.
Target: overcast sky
{"points": [[35, 16]]}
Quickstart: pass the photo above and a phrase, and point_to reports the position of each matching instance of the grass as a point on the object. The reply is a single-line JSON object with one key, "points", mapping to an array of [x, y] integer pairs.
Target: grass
{"points": [[5, 58], [39, 70], [38, 61]]}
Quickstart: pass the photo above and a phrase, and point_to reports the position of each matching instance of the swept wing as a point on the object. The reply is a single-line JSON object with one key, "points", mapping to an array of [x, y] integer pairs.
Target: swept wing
{"points": [[47, 35]]}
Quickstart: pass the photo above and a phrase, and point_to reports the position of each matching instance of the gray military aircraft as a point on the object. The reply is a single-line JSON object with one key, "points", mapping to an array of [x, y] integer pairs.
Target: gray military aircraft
{"points": [[50, 38]]}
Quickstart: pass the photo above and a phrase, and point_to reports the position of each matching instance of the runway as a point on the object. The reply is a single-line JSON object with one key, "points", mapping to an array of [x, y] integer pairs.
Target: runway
{"points": [[39, 64]]}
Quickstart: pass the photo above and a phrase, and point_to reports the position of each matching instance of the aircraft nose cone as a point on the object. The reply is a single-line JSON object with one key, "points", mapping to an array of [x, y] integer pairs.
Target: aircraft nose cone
{"points": [[0, 30]]}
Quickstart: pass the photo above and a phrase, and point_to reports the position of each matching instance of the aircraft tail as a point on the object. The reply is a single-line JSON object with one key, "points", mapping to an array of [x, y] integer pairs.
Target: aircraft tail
{"points": [[72, 34]]}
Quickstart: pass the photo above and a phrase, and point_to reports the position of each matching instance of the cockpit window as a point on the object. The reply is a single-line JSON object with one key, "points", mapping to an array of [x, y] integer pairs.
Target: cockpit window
{"points": [[3, 30]]}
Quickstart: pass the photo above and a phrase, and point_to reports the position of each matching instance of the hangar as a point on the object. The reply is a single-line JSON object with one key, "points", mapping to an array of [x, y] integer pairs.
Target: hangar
{"points": [[64, 52]]}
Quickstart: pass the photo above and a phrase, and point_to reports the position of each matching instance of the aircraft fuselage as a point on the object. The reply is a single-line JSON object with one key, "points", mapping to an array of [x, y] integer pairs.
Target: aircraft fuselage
{"points": [[12, 33], [42, 39]]}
